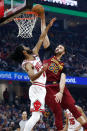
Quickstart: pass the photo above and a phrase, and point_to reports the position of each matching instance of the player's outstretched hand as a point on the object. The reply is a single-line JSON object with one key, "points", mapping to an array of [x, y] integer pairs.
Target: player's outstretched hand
{"points": [[52, 21], [45, 66]]}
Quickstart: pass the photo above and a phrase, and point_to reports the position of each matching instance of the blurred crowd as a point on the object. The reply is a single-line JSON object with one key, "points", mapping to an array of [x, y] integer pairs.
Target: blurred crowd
{"points": [[74, 38], [11, 115]]}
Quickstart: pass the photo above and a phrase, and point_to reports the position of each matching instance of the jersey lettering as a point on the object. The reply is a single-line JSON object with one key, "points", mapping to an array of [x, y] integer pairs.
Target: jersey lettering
{"points": [[54, 68], [72, 121], [38, 67]]}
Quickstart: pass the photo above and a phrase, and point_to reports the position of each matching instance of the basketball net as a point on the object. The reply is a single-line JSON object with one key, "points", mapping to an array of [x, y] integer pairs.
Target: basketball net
{"points": [[26, 23]]}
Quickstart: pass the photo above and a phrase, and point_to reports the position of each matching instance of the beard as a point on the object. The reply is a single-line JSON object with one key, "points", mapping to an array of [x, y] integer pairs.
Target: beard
{"points": [[29, 52], [57, 53]]}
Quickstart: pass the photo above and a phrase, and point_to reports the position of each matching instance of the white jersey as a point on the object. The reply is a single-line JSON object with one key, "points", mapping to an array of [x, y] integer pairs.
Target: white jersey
{"points": [[22, 124], [37, 91], [72, 122], [37, 67]]}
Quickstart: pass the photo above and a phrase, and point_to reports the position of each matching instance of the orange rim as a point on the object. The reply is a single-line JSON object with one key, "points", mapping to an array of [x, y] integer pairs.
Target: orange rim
{"points": [[28, 12], [24, 18]]}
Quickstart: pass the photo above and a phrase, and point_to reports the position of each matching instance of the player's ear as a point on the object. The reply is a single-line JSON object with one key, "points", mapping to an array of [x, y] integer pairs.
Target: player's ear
{"points": [[24, 52], [63, 53]]}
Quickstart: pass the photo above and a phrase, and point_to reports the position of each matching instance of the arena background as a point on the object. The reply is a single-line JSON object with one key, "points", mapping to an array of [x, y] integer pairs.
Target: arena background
{"points": [[69, 30]]}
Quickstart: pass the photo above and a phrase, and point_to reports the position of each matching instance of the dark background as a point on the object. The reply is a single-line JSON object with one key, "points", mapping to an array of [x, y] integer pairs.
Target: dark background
{"points": [[82, 5]]}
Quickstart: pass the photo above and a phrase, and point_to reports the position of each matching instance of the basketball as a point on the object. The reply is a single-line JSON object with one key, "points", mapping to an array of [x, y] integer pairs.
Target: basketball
{"points": [[38, 9]]}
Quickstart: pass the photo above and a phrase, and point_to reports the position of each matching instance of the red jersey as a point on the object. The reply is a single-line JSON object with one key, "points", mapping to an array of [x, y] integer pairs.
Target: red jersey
{"points": [[55, 68]]}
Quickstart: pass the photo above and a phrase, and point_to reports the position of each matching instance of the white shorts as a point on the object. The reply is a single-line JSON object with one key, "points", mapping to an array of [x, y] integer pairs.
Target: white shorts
{"points": [[37, 96], [81, 129]]}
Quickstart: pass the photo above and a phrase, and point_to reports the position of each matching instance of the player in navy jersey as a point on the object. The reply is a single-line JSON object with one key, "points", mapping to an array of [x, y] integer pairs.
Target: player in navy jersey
{"points": [[58, 96]]}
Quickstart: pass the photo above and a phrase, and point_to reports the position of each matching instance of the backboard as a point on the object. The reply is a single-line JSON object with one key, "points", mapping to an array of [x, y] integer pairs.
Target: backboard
{"points": [[9, 8]]}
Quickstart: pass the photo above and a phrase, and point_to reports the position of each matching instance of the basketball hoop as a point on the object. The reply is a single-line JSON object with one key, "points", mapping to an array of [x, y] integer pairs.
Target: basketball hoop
{"points": [[26, 23], [27, 20]]}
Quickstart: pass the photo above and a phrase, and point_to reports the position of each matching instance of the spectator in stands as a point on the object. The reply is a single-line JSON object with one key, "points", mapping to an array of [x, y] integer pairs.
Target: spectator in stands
{"points": [[25, 96], [42, 125], [6, 96], [1, 119]]}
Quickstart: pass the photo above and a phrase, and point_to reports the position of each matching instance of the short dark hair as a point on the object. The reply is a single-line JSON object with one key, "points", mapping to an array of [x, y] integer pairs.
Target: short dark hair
{"points": [[18, 55], [65, 49]]}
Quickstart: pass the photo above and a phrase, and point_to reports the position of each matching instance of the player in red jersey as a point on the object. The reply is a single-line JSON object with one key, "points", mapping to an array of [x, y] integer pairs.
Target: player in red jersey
{"points": [[58, 96]]}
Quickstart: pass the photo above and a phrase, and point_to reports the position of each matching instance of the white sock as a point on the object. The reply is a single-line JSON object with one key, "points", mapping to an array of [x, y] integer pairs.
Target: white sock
{"points": [[32, 121]]}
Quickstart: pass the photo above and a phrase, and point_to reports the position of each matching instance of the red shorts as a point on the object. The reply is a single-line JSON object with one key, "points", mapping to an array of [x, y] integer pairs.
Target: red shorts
{"points": [[52, 90], [67, 103]]}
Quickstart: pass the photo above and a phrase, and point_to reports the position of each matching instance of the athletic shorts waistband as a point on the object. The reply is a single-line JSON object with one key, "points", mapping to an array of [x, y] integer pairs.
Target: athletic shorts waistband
{"points": [[38, 83], [52, 82]]}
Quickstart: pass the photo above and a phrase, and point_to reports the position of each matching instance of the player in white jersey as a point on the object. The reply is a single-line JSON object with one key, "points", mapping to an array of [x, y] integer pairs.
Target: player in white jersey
{"points": [[32, 65], [71, 123], [37, 91]]}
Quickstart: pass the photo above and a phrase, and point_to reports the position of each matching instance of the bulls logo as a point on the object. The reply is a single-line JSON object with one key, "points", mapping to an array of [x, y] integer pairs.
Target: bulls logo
{"points": [[37, 105]]}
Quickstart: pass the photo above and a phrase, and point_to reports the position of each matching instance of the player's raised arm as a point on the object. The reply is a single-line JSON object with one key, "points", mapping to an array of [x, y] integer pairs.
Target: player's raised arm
{"points": [[46, 42], [42, 36]]}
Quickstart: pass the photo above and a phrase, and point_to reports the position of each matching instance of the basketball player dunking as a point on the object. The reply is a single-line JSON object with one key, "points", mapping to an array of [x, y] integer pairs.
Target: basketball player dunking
{"points": [[58, 96], [32, 65]]}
